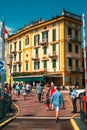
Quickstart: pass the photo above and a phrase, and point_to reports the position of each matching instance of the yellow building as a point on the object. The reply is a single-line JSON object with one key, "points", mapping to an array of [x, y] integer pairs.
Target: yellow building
{"points": [[48, 51]]}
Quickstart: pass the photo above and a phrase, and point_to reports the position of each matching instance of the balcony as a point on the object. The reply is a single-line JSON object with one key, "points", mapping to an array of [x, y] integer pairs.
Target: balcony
{"points": [[35, 58], [14, 62], [14, 51], [44, 42], [78, 69], [18, 62], [74, 69], [53, 55], [69, 69], [73, 39], [69, 37]]}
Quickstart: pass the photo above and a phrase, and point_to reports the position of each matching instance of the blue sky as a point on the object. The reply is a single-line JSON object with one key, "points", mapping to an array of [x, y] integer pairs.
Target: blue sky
{"points": [[20, 12]]}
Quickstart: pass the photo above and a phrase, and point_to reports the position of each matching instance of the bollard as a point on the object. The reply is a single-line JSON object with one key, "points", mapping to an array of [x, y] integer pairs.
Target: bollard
{"points": [[83, 108]]}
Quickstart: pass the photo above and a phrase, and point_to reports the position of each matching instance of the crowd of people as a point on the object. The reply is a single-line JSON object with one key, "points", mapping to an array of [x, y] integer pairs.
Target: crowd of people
{"points": [[52, 95]]}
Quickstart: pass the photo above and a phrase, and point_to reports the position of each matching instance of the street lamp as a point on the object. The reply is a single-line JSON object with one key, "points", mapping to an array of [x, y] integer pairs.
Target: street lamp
{"points": [[10, 67]]}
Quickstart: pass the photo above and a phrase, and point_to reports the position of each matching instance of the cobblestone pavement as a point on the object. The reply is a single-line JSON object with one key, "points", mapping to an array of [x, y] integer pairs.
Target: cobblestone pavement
{"points": [[32, 108]]}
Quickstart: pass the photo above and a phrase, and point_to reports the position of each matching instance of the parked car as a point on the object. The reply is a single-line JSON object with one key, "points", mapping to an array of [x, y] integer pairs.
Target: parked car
{"points": [[80, 93]]}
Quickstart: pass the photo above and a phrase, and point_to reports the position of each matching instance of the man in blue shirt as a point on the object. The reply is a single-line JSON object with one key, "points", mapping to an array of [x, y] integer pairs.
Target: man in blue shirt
{"points": [[57, 99]]}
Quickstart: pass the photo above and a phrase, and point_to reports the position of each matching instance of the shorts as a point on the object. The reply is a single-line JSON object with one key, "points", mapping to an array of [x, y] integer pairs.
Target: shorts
{"points": [[57, 108]]}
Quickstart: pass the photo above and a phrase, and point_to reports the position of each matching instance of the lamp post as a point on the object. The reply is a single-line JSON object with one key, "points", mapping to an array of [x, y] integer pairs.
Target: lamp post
{"points": [[10, 67]]}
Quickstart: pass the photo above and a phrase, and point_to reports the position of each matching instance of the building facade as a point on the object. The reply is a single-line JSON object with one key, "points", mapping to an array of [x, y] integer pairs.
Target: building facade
{"points": [[46, 51]]}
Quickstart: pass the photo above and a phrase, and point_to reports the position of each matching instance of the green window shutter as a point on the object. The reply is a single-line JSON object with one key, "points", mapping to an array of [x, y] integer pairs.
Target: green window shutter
{"points": [[19, 68], [15, 46], [70, 62], [10, 48], [34, 65], [42, 35], [54, 35], [28, 40], [45, 64], [77, 63], [38, 65], [19, 56], [70, 47], [36, 51], [19, 45], [34, 40], [54, 47], [14, 57], [54, 63], [26, 66], [45, 50], [38, 38], [47, 34]]}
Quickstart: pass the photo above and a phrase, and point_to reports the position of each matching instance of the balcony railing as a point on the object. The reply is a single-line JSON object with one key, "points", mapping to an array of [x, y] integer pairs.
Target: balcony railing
{"points": [[74, 69], [35, 57], [73, 39], [19, 62], [44, 41], [69, 68], [54, 54], [14, 51]]}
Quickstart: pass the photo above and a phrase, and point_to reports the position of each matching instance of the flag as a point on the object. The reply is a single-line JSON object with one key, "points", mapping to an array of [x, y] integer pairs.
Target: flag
{"points": [[5, 31]]}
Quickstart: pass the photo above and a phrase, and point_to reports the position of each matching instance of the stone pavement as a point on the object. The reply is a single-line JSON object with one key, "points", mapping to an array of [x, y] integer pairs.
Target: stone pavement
{"points": [[32, 108]]}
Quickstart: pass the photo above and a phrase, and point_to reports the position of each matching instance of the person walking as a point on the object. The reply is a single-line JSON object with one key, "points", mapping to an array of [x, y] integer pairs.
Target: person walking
{"points": [[73, 96], [17, 90], [39, 91], [57, 99], [47, 103], [24, 91], [52, 90]]}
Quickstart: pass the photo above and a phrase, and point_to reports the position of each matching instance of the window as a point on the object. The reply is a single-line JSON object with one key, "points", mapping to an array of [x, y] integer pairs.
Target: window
{"points": [[14, 68], [70, 47], [45, 64], [14, 57], [69, 31], [36, 40], [15, 46], [76, 49], [70, 62], [36, 52], [76, 33], [54, 48], [19, 45], [10, 48], [36, 65], [77, 63], [19, 68], [45, 36], [54, 63], [26, 66], [19, 56], [45, 50], [54, 35], [27, 41]]}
